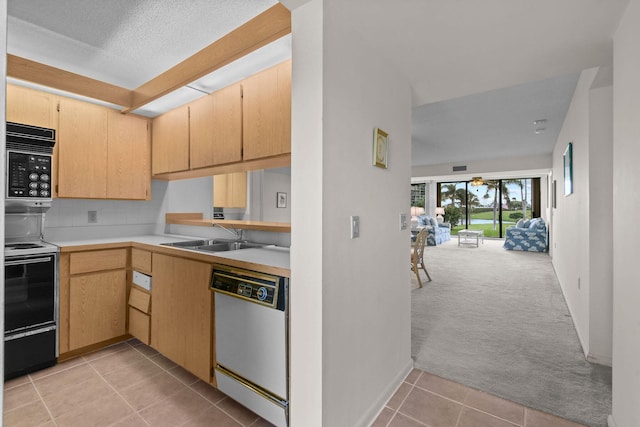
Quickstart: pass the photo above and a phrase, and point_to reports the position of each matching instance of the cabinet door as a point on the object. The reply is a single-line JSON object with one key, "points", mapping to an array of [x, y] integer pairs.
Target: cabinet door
{"points": [[31, 107], [181, 323], [128, 157], [215, 126], [97, 307], [170, 141], [266, 115], [82, 151], [230, 190]]}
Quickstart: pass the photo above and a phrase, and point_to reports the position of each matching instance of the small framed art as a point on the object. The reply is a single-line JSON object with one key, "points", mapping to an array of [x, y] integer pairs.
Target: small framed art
{"points": [[380, 148]]}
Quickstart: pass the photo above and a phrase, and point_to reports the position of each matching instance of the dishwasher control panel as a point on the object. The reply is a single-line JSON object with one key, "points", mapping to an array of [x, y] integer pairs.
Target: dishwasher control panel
{"points": [[252, 286]]}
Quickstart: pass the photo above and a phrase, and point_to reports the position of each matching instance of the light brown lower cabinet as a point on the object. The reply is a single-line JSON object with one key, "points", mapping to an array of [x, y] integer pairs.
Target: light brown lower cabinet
{"points": [[181, 324], [93, 291], [139, 314], [97, 307]]}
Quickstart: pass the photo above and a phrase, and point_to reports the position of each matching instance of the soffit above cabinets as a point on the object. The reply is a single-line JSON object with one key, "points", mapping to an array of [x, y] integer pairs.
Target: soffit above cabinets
{"points": [[139, 46]]}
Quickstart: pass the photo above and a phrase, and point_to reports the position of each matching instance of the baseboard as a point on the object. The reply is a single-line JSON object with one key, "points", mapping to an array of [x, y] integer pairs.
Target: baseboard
{"points": [[376, 408], [611, 422], [600, 360], [573, 318]]}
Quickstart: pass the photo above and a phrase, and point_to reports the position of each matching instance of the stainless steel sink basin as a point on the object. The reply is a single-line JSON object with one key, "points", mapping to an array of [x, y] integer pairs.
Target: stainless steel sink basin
{"points": [[190, 244], [229, 246], [215, 245]]}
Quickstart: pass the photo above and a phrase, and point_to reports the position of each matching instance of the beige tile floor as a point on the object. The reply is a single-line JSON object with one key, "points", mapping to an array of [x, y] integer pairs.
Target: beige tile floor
{"points": [[130, 384], [125, 385], [424, 399]]}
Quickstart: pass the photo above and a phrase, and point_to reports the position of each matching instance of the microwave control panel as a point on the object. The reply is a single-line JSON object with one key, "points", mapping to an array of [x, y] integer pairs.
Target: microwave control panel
{"points": [[28, 175]]}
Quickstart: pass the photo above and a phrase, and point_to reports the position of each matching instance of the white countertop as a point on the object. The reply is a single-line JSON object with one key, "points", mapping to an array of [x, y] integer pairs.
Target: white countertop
{"points": [[274, 256]]}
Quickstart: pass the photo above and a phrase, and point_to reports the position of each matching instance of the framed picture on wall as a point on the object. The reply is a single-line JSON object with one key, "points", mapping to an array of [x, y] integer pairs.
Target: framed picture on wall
{"points": [[380, 148], [568, 169]]}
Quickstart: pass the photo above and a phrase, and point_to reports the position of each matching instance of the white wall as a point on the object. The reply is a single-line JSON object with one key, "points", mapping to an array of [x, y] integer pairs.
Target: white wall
{"points": [[581, 256], [263, 186], [600, 225], [364, 281], [626, 201], [366, 319], [515, 164], [307, 216], [3, 75]]}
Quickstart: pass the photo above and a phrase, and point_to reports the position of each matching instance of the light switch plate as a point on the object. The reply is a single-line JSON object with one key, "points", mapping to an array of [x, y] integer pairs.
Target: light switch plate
{"points": [[403, 221], [355, 226]]}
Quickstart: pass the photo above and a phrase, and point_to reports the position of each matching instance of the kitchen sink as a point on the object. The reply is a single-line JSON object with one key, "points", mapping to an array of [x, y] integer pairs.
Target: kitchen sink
{"points": [[215, 245], [229, 246], [190, 244]]}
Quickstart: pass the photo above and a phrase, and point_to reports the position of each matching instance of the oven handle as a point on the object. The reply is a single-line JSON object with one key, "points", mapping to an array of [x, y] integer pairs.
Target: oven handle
{"points": [[29, 261]]}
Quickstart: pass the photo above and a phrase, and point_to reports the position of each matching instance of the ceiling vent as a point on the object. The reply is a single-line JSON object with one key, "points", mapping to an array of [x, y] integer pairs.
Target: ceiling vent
{"points": [[459, 168]]}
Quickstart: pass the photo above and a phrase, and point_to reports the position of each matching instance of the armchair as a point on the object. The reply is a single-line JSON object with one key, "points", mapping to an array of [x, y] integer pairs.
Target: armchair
{"points": [[530, 235]]}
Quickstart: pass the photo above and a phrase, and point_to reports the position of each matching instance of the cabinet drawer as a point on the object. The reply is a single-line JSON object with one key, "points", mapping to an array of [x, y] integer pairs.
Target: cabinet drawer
{"points": [[139, 325], [85, 262], [140, 300], [141, 260]]}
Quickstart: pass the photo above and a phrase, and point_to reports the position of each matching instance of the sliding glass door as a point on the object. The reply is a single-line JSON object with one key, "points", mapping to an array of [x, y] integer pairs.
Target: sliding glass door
{"points": [[491, 206]]}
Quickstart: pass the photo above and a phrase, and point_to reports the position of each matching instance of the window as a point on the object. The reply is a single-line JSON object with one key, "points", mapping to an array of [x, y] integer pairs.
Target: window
{"points": [[492, 206]]}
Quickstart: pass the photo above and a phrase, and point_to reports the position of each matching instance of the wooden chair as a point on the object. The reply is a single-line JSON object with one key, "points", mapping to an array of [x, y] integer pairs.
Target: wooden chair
{"points": [[416, 255]]}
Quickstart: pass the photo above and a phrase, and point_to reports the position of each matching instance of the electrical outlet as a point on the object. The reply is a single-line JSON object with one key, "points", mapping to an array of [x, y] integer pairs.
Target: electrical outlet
{"points": [[355, 226], [93, 217]]}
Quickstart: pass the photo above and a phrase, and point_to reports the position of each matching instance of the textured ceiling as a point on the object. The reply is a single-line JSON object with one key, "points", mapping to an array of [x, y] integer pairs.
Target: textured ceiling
{"points": [[122, 42], [493, 124], [480, 71]]}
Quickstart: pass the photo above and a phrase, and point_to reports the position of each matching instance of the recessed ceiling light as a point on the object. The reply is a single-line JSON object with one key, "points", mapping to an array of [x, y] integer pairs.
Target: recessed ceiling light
{"points": [[539, 121], [540, 130]]}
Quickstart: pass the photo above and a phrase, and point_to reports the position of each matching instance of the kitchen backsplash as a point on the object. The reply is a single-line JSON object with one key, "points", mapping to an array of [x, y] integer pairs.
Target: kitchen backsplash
{"points": [[69, 219]]}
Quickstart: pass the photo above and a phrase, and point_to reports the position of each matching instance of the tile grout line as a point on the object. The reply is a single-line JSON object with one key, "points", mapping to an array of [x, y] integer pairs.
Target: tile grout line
{"points": [[397, 410], [117, 394], [477, 409], [43, 402], [190, 387]]}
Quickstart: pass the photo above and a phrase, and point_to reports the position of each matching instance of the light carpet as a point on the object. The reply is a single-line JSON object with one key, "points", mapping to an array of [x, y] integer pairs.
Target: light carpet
{"points": [[497, 321]]}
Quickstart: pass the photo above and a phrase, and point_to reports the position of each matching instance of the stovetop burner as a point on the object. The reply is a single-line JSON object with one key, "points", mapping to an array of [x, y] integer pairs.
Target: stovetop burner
{"points": [[23, 245], [15, 249]]}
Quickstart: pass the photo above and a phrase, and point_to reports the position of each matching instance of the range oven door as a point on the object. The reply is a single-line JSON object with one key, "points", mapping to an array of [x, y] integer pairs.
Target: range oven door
{"points": [[29, 292], [30, 313]]}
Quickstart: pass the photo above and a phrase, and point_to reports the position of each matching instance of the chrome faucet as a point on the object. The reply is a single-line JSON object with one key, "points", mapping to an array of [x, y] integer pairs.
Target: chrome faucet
{"points": [[237, 233]]}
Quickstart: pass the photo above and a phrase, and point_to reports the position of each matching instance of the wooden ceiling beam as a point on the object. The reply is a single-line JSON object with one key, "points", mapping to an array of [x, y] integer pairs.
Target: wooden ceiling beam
{"points": [[269, 26], [45, 75]]}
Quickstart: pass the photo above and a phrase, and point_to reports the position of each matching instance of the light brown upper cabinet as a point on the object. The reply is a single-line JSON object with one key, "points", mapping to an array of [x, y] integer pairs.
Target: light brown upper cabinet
{"points": [[128, 157], [215, 128], [230, 190], [82, 150], [266, 115], [31, 107], [101, 153], [171, 141], [35, 108]]}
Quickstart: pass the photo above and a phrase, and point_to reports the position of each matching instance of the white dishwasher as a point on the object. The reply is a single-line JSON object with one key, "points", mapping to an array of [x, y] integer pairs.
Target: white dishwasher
{"points": [[251, 336]]}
